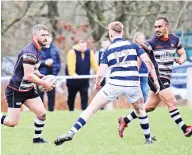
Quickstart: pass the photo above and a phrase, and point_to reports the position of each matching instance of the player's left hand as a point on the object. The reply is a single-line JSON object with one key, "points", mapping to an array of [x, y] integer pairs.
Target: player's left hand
{"points": [[179, 60], [97, 86], [157, 86]]}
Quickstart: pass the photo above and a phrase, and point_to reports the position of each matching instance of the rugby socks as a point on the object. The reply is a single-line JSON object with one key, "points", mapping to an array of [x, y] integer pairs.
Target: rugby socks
{"points": [[178, 120], [144, 123], [39, 125], [2, 118], [130, 117], [77, 125]]}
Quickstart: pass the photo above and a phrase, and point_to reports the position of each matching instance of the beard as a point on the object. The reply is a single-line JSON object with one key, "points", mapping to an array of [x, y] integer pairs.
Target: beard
{"points": [[162, 33], [42, 43]]}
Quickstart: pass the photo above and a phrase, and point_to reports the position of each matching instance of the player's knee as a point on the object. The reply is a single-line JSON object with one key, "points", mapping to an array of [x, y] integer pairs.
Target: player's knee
{"points": [[42, 116], [11, 123], [140, 111], [149, 109]]}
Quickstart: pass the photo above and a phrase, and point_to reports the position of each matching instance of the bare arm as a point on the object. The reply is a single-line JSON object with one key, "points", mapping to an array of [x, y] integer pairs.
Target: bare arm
{"points": [[182, 56], [138, 63], [30, 75], [144, 57], [101, 74], [145, 45], [36, 72]]}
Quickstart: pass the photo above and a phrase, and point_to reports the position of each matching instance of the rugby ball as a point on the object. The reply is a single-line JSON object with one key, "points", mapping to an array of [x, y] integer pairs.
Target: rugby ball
{"points": [[48, 78]]}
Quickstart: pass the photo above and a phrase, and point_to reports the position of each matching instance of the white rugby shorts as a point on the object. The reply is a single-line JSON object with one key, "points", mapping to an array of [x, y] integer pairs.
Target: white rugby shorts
{"points": [[112, 92]]}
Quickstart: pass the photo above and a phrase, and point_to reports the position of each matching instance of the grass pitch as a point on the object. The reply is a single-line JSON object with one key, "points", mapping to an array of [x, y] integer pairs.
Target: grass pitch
{"points": [[99, 136]]}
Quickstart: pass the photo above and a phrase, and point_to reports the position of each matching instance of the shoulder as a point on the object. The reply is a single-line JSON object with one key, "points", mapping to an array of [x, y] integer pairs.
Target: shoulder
{"points": [[173, 37], [118, 44], [92, 52], [71, 53], [29, 50], [152, 40]]}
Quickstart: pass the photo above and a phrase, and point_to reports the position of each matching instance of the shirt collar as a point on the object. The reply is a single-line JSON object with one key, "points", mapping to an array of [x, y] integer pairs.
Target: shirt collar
{"points": [[164, 39], [36, 45], [117, 39]]}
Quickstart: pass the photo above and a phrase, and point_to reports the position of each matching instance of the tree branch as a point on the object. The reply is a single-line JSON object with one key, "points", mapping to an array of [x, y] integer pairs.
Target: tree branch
{"points": [[18, 19], [92, 16], [180, 14]]}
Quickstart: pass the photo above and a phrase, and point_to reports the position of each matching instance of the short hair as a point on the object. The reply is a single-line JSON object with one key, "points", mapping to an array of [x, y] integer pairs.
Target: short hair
{"points": [[39, 27], [116, 26], [164, 19]]}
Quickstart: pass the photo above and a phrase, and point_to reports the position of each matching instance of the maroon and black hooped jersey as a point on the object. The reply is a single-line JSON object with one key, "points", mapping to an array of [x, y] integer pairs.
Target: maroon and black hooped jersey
{"points": [[162, 54], [28, 55]]}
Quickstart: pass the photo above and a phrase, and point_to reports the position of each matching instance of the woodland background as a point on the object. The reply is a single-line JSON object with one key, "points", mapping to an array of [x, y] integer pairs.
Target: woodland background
{"points": [[69, 21]]}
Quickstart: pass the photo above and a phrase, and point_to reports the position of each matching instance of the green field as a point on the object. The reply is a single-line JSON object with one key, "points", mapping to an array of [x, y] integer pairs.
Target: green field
{"points": [[99, 136]]}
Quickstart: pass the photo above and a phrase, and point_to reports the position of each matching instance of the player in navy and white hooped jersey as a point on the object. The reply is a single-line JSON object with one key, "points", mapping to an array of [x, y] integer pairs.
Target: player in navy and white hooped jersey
{"points": [[20, 89], [162, 49], [121, 57]]}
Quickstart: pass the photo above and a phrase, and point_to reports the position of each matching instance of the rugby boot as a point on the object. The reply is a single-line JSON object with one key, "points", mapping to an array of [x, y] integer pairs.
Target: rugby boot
{"points": [[122, 126], [39, 140], [153, 138], [188, 131], [148, 141], [61, 139]]}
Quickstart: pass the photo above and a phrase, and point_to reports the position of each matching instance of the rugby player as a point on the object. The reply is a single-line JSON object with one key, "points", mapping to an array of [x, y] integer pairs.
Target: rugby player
{"points": [[20, 89], [121, 57], [161, 49]]}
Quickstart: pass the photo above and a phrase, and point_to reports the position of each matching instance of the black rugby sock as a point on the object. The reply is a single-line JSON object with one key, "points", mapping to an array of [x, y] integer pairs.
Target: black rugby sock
{"points": [[2, 118]]}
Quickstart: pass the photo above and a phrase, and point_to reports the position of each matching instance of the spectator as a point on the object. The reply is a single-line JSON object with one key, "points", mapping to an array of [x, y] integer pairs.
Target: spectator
{"points": [[50, 64], [139, 36], [79, 61], [99, 54]]}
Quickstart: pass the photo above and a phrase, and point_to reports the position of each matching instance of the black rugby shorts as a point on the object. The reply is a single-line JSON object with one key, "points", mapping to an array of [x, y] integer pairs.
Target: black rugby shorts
{"points": [[16, 98], [163, 82]]}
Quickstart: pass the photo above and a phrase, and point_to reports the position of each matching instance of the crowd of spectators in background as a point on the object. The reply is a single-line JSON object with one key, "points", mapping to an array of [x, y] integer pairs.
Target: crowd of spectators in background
{"points": [[80, 59]]}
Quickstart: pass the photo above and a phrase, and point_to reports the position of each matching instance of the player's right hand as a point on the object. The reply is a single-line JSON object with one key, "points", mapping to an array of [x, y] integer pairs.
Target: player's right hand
{"points": [[157, 86], [48, 85], [49, 62]]}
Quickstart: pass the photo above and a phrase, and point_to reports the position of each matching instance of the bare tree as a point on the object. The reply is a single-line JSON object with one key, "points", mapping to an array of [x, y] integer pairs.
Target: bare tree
{"points": [[17, 19]]}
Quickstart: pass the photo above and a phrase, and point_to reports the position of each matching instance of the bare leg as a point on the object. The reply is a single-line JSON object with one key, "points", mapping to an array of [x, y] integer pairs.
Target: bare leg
{"points": [[97, 103], [143, 119], [12, 118], [152, 102], [168, 97]]}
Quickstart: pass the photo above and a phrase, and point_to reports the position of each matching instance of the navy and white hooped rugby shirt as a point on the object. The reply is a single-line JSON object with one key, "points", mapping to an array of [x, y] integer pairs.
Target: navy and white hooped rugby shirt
{"points": [[28, 55], [121, 58], [163, 53]]}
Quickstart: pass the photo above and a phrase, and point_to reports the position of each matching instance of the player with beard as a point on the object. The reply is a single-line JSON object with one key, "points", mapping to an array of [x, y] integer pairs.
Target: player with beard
{"points": [[20, 89], [161, 49]]}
